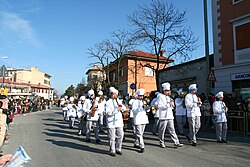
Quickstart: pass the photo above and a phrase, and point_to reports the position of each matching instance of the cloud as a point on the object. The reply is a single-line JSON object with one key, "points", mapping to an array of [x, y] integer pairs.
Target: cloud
{"points": [[16, 28]]}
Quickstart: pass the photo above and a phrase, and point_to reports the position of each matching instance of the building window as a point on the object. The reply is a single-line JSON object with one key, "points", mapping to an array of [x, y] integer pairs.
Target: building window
{"points": [[121, 72], [242, 41], [236, 1], [149, 71], [47, 82], [242, 36]]}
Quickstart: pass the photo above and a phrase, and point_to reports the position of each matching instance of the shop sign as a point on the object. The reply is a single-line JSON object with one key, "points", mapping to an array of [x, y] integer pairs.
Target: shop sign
{"points": [[240, 76]]}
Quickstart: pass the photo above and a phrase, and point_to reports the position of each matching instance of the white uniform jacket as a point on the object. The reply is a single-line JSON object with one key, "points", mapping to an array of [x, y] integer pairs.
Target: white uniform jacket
{"points": [[130, 103], [154, 103], [87, 108], [71, 112], [165, 110], [219, 109], [193, 108], [113, 116], [101, 107], [79, 110], [179, 108], [140, 115], [64, 106]]}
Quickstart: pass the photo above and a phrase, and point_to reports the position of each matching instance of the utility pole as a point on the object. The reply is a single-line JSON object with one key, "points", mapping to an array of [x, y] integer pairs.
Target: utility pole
{"points": [[208, 85]]}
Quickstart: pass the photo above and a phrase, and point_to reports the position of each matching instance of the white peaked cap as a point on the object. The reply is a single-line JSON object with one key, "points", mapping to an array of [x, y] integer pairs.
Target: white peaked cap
{"points": [[91, 92], [62, 99], [82, 98], [192, 87], [113, 90], [66, 97], [179, 91], [71, 99], [219, 94], [100, 93], [166, 86], [140, 92]]}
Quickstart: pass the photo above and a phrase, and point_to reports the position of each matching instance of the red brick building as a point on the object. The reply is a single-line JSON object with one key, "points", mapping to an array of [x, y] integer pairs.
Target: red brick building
{"points": [[231, 34], [136, 67]]}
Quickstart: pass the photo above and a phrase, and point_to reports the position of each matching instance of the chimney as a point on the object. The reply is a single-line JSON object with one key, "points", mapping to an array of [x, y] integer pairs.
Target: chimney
{"points": [[162, 53]]}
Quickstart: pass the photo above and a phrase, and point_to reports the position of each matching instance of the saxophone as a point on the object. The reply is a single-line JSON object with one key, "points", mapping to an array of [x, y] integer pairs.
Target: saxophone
{"points": [[93, 107]]}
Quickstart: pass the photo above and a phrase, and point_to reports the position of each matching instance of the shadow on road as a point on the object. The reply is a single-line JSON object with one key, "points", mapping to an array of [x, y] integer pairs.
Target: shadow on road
{"points": [[77, 146]]}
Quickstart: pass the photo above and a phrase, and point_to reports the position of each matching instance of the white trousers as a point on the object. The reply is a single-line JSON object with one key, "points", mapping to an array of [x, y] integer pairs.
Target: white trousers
{"points": [[139, 135], [88, 129], [168, 123], [221, 131], [194, 126], [115, 136]]}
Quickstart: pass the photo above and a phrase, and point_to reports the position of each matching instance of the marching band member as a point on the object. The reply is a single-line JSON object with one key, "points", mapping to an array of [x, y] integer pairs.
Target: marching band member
{"points": [[90, 107], [181, 112], [192, 103], [101, 109], [80, 115], [71, 113], [155, 111], [64, 104], [114, 122], [131, 115], [140, 118], [165, 105], [220, 110]]}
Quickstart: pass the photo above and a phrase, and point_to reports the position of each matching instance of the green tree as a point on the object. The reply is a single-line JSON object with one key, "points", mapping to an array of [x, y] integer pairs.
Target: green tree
{"points": [[70, 91], [81, 89]]}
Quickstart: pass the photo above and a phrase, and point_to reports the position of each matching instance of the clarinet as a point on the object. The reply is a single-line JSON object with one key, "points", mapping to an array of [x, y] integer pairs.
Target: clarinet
{"points": [[119, 105]]}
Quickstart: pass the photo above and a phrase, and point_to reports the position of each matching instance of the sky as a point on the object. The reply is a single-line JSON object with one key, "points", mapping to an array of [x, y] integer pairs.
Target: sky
{"points": [[54, 35]]}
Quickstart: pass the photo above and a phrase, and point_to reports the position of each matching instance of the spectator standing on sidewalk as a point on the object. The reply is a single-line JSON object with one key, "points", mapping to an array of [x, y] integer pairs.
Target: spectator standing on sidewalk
{"points": [[220, 119], [3, 118]]}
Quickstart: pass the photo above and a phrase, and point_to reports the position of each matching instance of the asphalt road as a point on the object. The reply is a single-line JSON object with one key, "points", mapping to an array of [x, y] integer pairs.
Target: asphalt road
{"points": [[50, 143]]}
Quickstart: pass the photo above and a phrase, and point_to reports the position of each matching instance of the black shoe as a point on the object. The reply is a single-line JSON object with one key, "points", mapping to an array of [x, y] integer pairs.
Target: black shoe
{"points": [[98, 141], [136, 146], [119, 152], [112, 154], [88, 140], [189, 140], [219, 141], [194, 144], [224, 141], [142, 150]]}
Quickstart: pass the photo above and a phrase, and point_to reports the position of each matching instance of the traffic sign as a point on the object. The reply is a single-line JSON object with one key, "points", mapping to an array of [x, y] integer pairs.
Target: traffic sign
{"points": [[211, 76], [133, 86]]}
